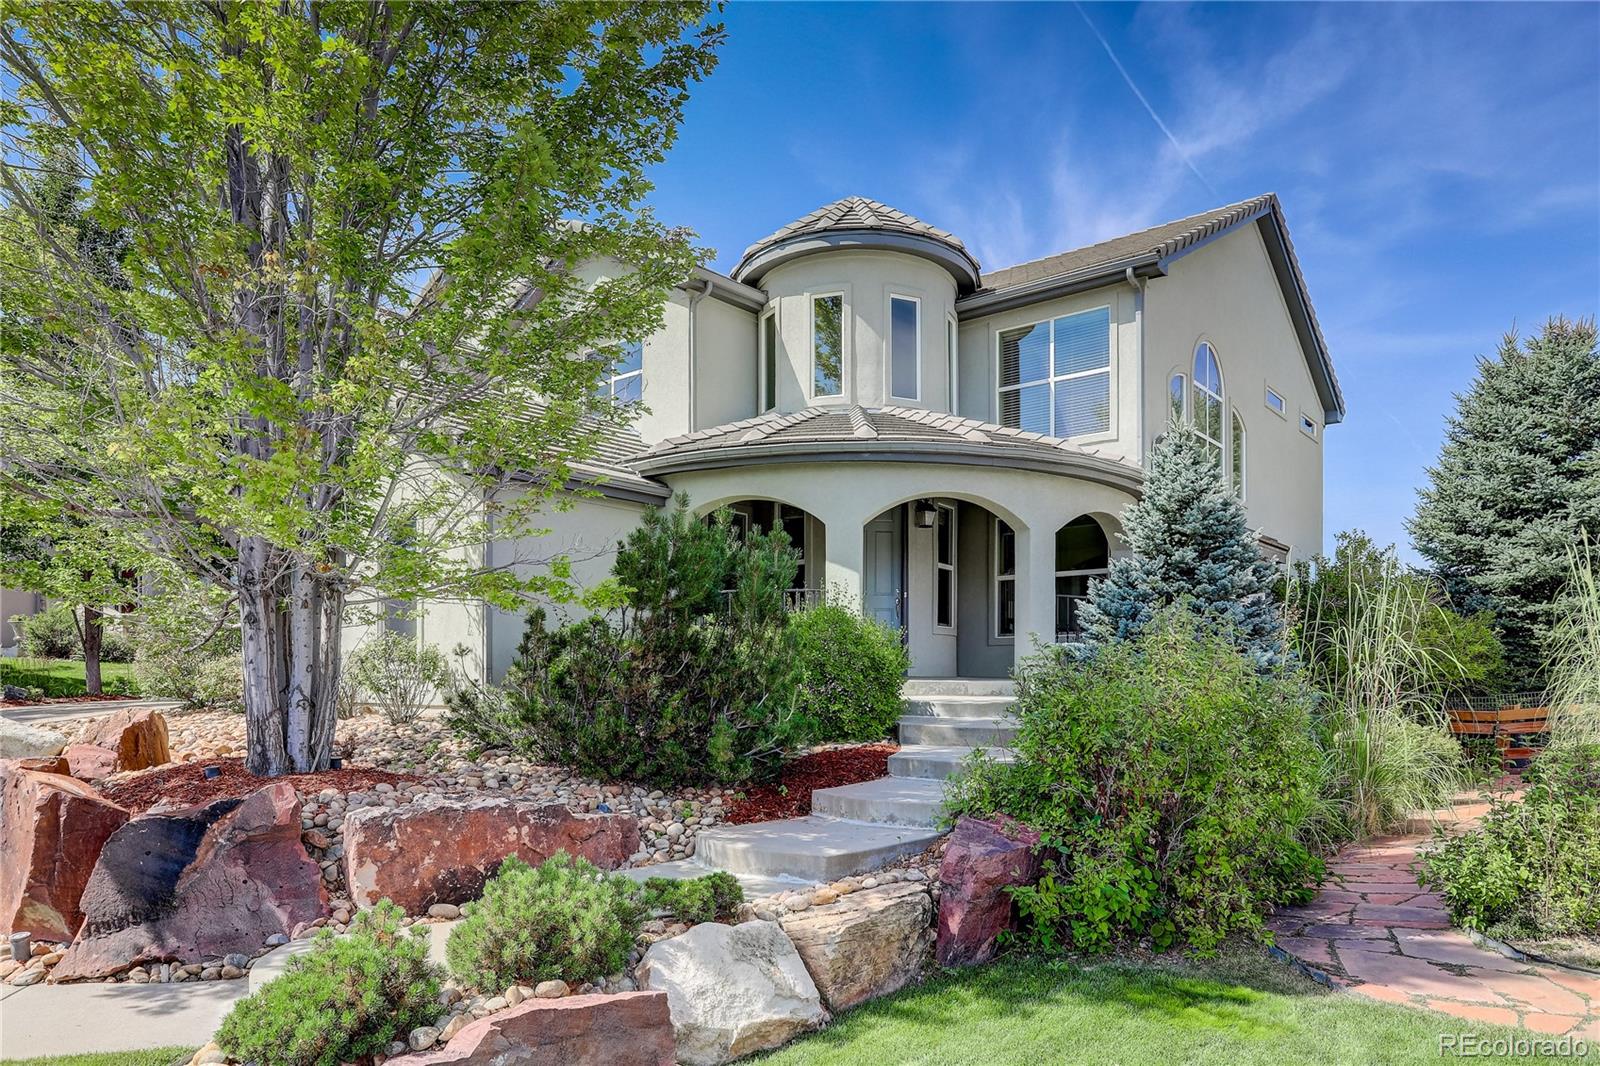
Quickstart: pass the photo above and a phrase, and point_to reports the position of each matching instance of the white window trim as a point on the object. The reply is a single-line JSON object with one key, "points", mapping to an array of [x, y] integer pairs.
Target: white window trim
{"points": [[1000, 579], [1307, 421], [1282, 410], [955, 592], [1110, 370], [952, 341], [889, 351], [1183, 395], [844, 346], [762, 358], [1221, 398], [608, 380], [1237, 429]]}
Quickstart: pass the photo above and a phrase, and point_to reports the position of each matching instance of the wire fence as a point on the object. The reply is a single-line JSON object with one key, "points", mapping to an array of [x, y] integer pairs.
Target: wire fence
{"points": [[1500, 701]]}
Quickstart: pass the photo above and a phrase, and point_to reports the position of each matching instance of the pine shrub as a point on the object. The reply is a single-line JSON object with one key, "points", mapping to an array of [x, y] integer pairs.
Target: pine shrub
{"points": [[345, 1000], [712, 898], [564, 919]]}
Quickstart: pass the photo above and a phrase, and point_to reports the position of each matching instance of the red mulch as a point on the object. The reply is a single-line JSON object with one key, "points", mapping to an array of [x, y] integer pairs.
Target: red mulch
{"points": [[185, 784], [790, 795]]}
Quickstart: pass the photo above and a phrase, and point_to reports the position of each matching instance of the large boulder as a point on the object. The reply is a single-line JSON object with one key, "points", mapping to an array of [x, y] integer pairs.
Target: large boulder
{"points": [[51, 831], [18, 741], [981, 861], [137, 734], [197, 883], [90, 762], [733, 989], [866, 945], [628, 1029], [438, 850]]}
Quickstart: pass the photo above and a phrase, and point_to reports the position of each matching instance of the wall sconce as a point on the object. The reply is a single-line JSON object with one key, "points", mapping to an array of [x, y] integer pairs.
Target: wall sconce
{"points": [[925, 513]]}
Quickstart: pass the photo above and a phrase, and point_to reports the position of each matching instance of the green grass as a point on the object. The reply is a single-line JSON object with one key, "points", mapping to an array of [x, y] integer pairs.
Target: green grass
{"points": [[1241, 1009], [64, 677], [161, 1056]]}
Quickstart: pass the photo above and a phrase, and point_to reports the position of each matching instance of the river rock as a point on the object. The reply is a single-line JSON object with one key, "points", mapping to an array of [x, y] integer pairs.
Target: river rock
{"points": [[733, 989], [197, 883], [867, 945], [982, 859], [18, 741], [439, 850], [628, 1029], [51, 831], [138, 735]]}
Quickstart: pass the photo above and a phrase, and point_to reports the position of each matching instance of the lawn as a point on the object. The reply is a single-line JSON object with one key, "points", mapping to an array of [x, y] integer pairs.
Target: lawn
{"points": [[64, 677], [1241, 1009], [162, 1056]]}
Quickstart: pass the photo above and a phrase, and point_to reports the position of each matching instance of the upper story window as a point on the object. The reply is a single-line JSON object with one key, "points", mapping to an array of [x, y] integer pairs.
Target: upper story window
{"points": [[624, 381], [1207, 405], [827, 345], [1055, 376], [1275, 403], [1308, 425], [1238, 455], [768, 341], [905, 347]]}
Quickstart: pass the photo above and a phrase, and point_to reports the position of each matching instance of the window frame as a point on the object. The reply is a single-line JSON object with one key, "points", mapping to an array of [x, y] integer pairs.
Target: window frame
{"points": [[916, 302], [844, 332], [1310, 426], [1182, 377], [1221, 396], [1282, 408], [1052, 380], [952, 343], [940, 510], [606, 386], [1238, 454], [767, 359], [999, 579]]}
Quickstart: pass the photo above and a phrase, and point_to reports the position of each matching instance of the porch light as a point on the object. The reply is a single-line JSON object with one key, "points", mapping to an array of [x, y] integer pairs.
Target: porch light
{"points": [[926, 512]]}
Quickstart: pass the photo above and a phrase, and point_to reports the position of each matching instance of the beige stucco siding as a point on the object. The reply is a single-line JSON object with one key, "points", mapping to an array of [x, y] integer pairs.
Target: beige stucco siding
{"points": [[725, 363], [1225, 293]]}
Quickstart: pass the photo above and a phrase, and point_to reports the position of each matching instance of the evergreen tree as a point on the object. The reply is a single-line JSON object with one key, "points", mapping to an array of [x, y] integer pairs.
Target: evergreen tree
{"points": [[1190, 543], [1517, 480]]}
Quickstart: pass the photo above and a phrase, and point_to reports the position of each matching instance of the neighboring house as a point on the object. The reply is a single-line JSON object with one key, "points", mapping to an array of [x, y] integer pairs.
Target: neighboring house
{"points": [[950, 447]]}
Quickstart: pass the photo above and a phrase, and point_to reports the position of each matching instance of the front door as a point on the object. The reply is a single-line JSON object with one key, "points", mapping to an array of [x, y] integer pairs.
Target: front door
{"points": [[882, 583]]}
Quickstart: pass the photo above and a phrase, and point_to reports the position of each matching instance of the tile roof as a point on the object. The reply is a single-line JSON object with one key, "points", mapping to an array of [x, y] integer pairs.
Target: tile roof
{"points": [[854, 213]]}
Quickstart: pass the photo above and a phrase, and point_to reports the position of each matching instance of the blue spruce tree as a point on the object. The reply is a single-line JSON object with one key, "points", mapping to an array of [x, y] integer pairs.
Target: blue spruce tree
{"points": [[1190, 544]]}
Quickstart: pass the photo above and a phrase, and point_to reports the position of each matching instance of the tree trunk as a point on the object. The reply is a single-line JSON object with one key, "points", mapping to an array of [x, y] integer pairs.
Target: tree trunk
{"points": [[92, 638], [290, 621]]}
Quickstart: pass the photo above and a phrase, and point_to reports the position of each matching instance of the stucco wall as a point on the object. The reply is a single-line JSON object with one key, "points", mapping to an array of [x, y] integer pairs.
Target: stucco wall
{"points": [[725, 363], [1225, 293]]}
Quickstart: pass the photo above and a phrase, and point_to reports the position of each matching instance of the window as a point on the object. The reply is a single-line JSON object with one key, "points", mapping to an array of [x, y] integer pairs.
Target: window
{"points": [[769, 361], [1275, 403], [624, 382], [827, 345], [1206, 409], [950, 347], [1308, 425], [1176, 390], [905, 348], [944, 567], [1082, 554], [1055, 377], [1238, 455], [1005, 580]]}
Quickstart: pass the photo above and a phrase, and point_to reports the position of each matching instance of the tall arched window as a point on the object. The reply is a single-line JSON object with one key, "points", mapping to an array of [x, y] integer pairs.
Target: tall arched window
{"points": [[1206, 408]]}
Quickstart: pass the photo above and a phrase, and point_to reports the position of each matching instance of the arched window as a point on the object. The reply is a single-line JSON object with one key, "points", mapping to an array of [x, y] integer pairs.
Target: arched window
{"points": [[1082, 554], [1206, 408], [1238, 455], [1176, 391]]}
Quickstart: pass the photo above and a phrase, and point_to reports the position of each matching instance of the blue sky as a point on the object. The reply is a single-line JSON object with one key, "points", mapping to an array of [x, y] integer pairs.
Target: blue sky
{"points": [[1439, 164]]}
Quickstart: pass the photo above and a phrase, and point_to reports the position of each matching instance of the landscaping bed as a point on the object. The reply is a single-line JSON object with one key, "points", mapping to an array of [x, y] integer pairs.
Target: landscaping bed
{"points": [[185, 784], [790, 795]]}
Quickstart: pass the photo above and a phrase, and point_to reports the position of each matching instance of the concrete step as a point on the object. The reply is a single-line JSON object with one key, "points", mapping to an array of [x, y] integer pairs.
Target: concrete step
{"points": [[959, 706], [937, 761], [958, 732], [920, 687], [809, 848], [687, 869], [908, 801]]}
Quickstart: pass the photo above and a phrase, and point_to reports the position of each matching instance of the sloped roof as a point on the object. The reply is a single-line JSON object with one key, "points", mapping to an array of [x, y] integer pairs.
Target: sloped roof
{"points": [[853, 215], [886, 433]]}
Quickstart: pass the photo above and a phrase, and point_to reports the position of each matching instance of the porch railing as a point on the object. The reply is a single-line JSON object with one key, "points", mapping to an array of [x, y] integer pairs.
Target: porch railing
{"points": [[793, 599], [1068, 628]]}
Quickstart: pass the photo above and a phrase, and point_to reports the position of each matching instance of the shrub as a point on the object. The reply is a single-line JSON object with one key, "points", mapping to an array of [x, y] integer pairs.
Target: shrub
{"points": [[851, 669], [50, 634], [712, 898], [1574, 667], [1170, 782], [564, 919], [1532, 867], [343, 1001], [181, 652], [397, 674]]}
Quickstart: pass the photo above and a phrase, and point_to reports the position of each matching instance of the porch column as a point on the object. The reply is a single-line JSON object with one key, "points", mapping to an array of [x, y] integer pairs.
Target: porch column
{"points": [[842, 566], [1036, 589]]}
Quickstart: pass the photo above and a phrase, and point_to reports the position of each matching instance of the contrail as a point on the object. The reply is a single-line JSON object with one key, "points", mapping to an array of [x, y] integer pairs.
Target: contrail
{"points": [[1152, 111]]}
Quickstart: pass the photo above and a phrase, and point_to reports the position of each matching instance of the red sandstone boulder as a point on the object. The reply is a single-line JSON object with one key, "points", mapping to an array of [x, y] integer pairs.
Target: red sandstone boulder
{"points": [[437, 850], [197, 883], [138, 736], [629, 1029], [48, 764], [983, 858], [90, 762], [51, 832]]}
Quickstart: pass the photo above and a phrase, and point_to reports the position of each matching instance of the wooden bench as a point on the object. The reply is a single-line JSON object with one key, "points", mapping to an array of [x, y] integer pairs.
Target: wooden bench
{"points": [[1510, 726]]}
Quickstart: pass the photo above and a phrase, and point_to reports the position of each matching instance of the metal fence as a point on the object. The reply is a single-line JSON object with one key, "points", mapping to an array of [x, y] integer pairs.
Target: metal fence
{"points": [[1498, 702]]}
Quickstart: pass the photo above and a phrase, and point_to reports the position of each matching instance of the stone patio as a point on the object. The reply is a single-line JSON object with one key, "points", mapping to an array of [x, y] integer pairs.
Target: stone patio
{"points": [[1374, 930]]}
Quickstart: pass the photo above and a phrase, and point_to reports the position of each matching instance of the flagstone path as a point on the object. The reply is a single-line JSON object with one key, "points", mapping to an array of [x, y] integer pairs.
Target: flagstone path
{"points": [[1374, 930]]}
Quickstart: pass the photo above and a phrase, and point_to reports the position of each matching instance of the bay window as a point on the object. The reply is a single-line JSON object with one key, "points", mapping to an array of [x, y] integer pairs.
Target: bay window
{"points": [[827, 345], [905, 347]]}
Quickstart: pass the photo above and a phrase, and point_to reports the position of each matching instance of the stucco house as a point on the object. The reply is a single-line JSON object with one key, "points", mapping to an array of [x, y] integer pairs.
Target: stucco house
{"points": [[949, 445]]}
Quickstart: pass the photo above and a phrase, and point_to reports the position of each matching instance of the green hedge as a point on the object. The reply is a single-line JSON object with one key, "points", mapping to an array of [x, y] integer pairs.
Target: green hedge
{"points": [[851, 670]]}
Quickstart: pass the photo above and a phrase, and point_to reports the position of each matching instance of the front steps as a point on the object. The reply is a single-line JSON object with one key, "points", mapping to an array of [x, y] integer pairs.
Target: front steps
{"points": [[856, 828]]}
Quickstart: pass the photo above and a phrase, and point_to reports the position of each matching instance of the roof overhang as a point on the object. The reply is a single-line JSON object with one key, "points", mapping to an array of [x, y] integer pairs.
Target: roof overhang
{"points": [[961, 266], [721, 287]]}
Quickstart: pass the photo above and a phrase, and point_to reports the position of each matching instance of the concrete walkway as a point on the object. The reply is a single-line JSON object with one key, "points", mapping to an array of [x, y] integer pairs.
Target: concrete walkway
{"points": [[1374, 930], [83, 1018]]}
